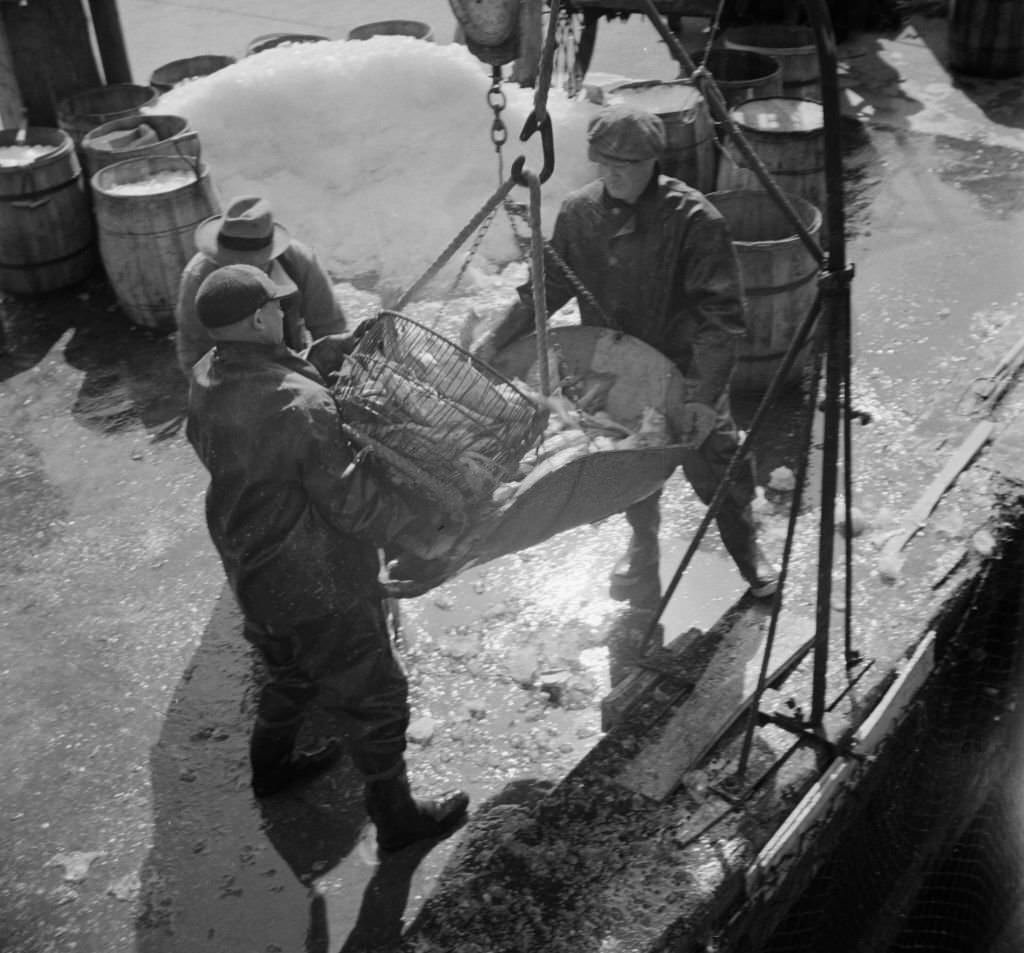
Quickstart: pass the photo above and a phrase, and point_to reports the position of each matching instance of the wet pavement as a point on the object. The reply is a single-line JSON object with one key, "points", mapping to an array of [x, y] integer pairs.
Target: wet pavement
{"points": [[127, 816]]}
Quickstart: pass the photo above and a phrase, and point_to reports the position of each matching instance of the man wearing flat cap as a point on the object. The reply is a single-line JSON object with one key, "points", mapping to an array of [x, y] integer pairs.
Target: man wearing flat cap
{"points": [[657, 262], [246, 234], [298, 523]]}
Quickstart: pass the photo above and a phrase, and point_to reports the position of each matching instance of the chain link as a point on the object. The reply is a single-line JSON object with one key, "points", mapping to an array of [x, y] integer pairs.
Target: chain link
{"points": [[499, 132]]}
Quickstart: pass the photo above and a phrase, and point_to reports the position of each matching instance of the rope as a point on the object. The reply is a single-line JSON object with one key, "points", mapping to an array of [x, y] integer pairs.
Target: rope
{"points": [[486, 210]]}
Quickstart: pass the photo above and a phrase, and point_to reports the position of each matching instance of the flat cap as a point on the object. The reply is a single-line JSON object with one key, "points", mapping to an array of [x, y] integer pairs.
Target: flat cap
{"points": [[627, 133], [234, 293]]}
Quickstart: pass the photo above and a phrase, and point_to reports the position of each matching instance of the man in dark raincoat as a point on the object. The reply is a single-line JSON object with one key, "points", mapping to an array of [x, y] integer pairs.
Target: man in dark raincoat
{"points": [[297, 522], [656, 261]]}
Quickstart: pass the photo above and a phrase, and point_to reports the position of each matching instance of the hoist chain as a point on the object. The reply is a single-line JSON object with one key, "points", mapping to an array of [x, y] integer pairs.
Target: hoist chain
{"points": [[496, 100]]}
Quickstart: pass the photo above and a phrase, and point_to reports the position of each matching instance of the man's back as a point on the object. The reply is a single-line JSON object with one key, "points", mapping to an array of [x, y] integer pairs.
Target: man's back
{"points": [[267, 430]]}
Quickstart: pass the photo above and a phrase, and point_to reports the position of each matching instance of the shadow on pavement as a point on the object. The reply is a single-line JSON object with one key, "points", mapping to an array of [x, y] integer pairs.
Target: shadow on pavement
{"points": [[228, 874], [130, 374]]}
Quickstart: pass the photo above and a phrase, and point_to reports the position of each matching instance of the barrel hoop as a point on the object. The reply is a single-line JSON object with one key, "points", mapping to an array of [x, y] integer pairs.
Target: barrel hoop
{"points": [[775, 289], [50, 261], [39, 193], [119, 233]]}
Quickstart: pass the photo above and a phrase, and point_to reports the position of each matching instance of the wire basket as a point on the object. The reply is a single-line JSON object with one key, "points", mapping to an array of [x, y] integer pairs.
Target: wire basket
{"points": [[437, 417]]}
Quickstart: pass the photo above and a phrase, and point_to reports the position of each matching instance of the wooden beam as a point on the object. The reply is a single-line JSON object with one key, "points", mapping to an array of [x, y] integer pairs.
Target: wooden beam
{"points": [[722, 692], [52, 54], [791, 837], [10, 95], [106, 24], [918, 514]]}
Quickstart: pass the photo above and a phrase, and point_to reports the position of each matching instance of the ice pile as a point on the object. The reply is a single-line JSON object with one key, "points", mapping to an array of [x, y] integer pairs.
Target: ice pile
{"points": [[376, 152]]}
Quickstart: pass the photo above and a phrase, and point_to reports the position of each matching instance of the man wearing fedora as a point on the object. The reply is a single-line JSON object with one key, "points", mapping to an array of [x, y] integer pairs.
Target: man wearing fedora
{"points": [[246, 234], [298, 521]]}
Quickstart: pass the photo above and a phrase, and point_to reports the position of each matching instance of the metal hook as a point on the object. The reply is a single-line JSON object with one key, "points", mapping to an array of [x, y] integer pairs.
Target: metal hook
{"points": [[547, 138]]}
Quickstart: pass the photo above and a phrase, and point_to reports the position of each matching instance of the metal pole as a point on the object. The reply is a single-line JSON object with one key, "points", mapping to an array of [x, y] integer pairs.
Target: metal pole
{"points": [[836, 326]]}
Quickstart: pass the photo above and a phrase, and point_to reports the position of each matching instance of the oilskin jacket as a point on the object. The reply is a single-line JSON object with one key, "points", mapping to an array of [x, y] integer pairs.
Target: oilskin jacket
{"points": [[663, 270], [296, 526], [311, 313]]}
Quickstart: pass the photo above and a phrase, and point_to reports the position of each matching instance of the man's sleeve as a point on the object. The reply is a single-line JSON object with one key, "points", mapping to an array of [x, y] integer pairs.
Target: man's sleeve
{"points": [[356, 498], [713, 288], [321, 311], [192, 340], [521, 317]]}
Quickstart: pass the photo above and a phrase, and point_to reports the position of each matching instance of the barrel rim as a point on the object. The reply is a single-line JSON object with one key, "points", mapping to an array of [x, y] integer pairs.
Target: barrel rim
{"points": [[94, 96], [767, 29], [748, 55], [129, 122], [687, 84], [63, 147], [165, 78], [199, 169], [739, 107], [811, 222], [427, 30]]}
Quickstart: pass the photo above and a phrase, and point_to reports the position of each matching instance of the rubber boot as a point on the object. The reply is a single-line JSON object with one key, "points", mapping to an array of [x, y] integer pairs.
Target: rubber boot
{"points": [[739, 534], [635, 578], [402, 819], [276, 764]]}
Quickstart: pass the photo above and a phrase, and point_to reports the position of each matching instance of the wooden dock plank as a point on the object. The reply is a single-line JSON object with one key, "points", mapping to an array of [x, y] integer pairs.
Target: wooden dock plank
{"points": [[791, 835], [724, 691]]}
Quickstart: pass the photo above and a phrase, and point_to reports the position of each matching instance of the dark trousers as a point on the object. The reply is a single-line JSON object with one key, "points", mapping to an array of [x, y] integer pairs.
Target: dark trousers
{"points": [[705, 467], [344, 661]]}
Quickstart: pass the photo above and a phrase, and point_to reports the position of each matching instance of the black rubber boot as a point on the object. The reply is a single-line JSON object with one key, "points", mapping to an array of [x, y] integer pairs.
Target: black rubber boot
{"points": [[635, 578], [402, 819], [739, 535], [276, 764]]}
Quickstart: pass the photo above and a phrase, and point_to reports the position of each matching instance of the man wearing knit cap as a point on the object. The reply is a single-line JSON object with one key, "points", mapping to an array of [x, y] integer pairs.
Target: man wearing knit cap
{"points": [[247, 234], [657, 262], [298, 523]]}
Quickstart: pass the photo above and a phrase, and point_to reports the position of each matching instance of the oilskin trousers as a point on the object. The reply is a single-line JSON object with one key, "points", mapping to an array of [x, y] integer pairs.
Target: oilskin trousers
{"points": [[704, 468], [345, 661]]}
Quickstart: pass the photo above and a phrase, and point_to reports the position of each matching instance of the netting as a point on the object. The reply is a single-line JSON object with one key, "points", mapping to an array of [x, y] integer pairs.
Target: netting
{"points": [[926, 853], [438, 418]]}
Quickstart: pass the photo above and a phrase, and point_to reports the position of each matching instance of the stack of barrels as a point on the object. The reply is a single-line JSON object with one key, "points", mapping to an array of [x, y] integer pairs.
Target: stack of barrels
{"points": [[768, 76], [120, 183], [117, 183]]}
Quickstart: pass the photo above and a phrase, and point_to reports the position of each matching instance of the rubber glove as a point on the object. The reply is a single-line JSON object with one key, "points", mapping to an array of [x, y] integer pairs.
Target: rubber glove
{"points": [[327, 353], [696, 421]]}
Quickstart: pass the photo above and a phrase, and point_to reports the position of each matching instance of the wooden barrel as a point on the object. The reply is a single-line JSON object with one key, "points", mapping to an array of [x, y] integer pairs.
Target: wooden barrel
{"points": [[690, 152], [413, 28], [269, 41], [793, 46], [147, 210], [166, 77], [166, 135], [779, 281], [788, 136], [47, 238], [77, 114], [742, 74], [986, 37]]}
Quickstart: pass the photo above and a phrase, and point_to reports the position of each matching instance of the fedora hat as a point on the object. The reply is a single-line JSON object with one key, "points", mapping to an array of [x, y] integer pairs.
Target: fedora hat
{"points": [[245, 234]]}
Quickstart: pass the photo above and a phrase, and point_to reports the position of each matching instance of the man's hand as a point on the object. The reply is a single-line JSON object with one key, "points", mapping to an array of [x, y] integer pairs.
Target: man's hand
{"points": [[327, 353], [696, 421]]}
